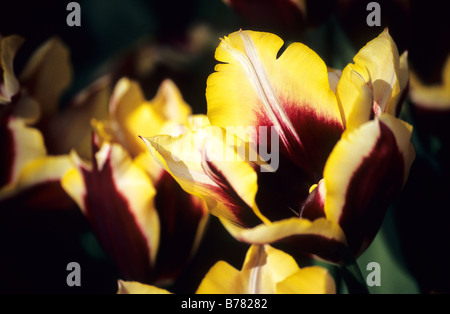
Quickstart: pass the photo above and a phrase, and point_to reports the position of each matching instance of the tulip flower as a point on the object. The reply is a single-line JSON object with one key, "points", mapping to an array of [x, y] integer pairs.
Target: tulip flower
{"points": [[266, 270], [30, 175], [340, 160], [140, 215]]}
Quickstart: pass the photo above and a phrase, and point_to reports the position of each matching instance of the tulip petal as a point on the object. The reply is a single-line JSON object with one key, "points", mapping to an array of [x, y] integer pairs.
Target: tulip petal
{"points": [[205, 163], [308, 280], [355, 95], [130, 112], [130, 115], [291, 93], [48, 74], [321, 238], [9, 85], [71, 128], [119, 206], [366, 169], [134, 287], [379, 65], [222, 278], [169, 103], [265, 271]]}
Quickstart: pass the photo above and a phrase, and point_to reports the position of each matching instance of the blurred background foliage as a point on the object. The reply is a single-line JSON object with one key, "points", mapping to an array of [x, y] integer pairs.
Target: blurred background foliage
{"points": [[150, 40]]}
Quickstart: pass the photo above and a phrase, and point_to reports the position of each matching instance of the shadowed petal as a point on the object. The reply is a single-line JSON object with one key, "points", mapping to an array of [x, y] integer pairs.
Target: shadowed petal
{"points": [[9, 85], [48, 74]]}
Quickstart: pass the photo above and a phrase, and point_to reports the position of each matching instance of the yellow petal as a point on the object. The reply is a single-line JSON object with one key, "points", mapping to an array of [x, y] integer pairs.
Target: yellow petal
{"points": [[134, 287], [379, 65], [132, 116], [355, 95], [266, 270], [49, 168], [264, 267], [308, 280], [48, 74], [222, 278], [169, 103]]}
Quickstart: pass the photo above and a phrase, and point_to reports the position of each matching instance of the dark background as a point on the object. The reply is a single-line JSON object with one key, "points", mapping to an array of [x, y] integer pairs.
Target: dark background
{"points": [[36, 245]]}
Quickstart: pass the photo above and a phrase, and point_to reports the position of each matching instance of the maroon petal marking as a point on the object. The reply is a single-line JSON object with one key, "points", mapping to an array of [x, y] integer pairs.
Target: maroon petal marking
{"points": [[44, 196], [114, 224], [318, 135], [377, 180], [229, 197]]}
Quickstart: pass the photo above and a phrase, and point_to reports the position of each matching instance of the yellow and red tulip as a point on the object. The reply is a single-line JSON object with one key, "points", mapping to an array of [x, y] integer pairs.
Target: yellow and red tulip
{"points": [[140, 215], [266, 270], [343, 154], [30, 175]]}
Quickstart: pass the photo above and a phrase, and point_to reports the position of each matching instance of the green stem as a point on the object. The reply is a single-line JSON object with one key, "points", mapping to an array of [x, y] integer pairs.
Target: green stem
{"points": [[352, 275]]}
